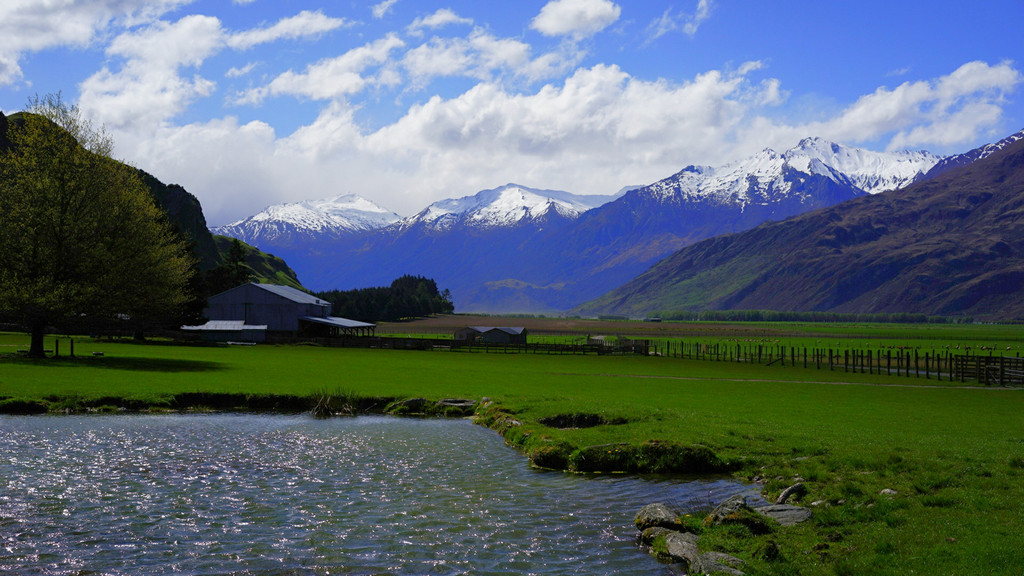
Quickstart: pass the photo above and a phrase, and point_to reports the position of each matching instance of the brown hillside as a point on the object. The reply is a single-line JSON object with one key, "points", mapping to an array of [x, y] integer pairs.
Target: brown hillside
{"points": [[950, 245]]}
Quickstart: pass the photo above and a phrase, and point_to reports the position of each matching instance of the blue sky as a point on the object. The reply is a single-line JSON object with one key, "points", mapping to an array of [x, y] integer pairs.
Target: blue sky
{"points": [[257, 102]]}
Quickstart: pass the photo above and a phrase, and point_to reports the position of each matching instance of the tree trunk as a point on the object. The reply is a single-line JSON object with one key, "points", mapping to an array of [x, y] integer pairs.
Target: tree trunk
{"points": [[36, 348]]}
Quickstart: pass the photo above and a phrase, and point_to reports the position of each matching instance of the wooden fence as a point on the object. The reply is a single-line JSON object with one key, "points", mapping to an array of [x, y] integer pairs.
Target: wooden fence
{"points": [[938, 365], [989, 370]]}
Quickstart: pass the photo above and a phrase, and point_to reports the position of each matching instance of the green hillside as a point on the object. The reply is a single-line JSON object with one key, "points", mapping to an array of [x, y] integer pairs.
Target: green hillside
{"points": [[266, 268]]}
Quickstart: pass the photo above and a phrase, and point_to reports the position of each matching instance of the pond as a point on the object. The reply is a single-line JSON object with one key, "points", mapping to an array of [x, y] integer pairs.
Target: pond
{"points": [[292, 495]]}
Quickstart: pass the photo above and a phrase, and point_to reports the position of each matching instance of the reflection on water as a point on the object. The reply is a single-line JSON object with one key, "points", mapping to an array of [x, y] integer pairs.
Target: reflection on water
{"points": [[231, 494]]}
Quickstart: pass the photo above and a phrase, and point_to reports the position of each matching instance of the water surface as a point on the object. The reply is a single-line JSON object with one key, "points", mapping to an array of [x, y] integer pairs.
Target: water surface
{"points": [[291, 495]]}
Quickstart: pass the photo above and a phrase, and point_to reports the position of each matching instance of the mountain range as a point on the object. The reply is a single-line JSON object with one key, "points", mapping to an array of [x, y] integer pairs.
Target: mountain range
{"points": [[952, 244], [517, 249]]}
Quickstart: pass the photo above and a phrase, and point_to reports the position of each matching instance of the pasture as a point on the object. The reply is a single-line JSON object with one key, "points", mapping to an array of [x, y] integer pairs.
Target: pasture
{"points": [[953, 453]]}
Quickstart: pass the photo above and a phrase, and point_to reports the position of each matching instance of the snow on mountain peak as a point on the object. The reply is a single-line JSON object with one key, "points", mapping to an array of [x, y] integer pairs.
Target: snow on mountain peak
{"points": [[329, 217], [872, 172], [504, 206], [770, 173]]}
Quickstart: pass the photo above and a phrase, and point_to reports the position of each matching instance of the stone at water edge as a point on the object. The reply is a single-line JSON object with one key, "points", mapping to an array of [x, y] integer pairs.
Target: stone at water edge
{"points": [[656, 515], [715, 563], [730, 506]]}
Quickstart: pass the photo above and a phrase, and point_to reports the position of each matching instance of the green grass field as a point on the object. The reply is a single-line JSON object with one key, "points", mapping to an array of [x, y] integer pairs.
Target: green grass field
{"points": [[953, 453]]}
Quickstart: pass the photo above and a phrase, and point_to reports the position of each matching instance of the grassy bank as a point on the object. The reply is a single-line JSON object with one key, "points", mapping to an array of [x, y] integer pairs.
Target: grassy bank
{"points": [[954, 455]]}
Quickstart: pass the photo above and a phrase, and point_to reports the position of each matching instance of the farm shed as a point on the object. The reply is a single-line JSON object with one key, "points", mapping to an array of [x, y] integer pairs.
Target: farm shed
{"points": [[284, 310], [492, 334], [229, 331]]}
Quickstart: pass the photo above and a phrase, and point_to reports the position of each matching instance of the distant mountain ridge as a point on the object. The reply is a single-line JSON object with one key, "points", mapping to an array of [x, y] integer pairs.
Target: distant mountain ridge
{"points": [[949, 245], [516, 249], [979, 153], [308, 221], [506, 206]]}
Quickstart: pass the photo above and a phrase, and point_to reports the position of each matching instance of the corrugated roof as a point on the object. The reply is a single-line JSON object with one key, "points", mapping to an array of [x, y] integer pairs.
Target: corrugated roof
{"points": [[292, 294], [225, 326], [337, 322], [505, 329]]}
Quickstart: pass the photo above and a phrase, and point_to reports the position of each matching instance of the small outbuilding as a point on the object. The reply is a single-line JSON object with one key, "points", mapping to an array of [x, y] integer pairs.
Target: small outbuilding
{"points": [[229, 331], [491, 335]]}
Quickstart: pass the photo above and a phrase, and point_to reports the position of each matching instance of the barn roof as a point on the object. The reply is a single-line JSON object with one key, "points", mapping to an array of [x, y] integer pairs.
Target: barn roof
{"points": [[337, 322], [293, 294], [225, 326], [505, 329]]}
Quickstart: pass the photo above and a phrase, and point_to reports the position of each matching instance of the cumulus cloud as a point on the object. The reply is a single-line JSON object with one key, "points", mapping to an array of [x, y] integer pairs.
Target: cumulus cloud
{"points": [[576, 18], [330, 78], [485, 57], [439, 19], [381, 10], [594, 132], [303, 25], [27, 26], [148, 88], [954, 108]]}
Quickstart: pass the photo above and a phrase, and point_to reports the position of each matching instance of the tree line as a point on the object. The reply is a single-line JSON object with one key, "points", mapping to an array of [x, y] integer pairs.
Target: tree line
{"points": [[406, 297]]}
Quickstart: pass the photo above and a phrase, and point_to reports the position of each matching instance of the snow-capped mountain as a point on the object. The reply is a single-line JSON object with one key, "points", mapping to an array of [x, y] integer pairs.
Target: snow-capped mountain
{"points": [[979, 153], [310, 220], [769, 176], [506, 206]]}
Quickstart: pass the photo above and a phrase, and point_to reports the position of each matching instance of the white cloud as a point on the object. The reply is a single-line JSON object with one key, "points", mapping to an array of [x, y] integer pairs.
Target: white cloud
{"points": [[439, 19], [688, 24], [485, 57], [330, 78], [954, 108], [148, 89], [380, 10], [29, 25], [303, 25], [576, 18], [594, 132], [702, 14], [237, 72]]}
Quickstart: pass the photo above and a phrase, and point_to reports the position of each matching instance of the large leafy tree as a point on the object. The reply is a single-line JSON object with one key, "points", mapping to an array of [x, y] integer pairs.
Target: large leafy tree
{"points": [[79, 233]]}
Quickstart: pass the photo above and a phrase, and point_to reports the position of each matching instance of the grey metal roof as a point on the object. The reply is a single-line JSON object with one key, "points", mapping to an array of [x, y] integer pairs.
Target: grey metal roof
{"points": [[505, 329], [225, 326], [292, 294], [337, 322]]}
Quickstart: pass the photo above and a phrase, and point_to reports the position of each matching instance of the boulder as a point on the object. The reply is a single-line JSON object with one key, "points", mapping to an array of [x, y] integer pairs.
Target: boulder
{"points": [[456, 406], [730, 506], [656, 515], [716, 563], [785, 514]]}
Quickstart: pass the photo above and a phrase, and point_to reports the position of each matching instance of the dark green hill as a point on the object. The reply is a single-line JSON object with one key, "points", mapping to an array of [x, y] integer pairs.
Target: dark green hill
{"points": [[951, 245], [186, 215], [266, 268]]}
